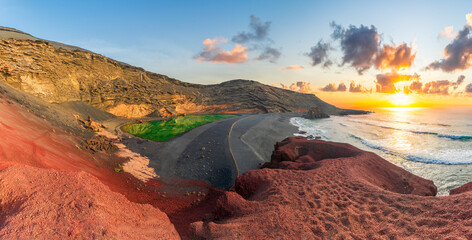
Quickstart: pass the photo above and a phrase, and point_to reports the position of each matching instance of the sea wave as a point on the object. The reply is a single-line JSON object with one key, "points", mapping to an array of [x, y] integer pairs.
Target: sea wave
{"points": [[414, 123], [441, 135], [411, 157], [305, 130]]}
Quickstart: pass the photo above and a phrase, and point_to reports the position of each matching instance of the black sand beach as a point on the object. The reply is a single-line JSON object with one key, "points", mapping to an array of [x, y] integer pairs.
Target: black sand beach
{"points": [[204, 153]]}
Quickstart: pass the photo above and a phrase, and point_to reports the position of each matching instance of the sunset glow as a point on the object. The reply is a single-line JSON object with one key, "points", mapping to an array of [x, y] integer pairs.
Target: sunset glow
{"points": [[400, 99], [344, 60]]}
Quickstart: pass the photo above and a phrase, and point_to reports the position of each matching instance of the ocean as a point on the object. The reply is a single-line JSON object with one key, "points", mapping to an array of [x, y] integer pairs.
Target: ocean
{"points": [[434, 143]]}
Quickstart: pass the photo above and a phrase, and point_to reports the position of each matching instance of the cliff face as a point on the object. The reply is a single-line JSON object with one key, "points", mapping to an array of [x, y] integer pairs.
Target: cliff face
{"points": [[60, 73]]}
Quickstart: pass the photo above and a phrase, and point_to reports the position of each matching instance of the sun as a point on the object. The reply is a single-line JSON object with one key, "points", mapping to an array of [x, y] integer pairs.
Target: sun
{"points": [[400, 99]]}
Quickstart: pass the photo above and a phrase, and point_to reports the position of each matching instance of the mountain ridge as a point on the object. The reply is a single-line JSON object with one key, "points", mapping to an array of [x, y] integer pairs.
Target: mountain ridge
{"points": [[60, 73]]}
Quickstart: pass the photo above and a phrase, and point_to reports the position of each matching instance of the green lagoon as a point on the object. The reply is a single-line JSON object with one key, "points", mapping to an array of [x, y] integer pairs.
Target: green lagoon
{"points": [[162, 131]]}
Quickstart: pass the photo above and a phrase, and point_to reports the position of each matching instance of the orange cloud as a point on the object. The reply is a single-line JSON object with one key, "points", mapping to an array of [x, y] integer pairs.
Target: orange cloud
{"points": [[468, 88], [213, 53], [468, 17], [395, 57], [302, 87], [386, 82], [333, 88], [358, 88], [448, 32], [293, 67], [440, 87]]}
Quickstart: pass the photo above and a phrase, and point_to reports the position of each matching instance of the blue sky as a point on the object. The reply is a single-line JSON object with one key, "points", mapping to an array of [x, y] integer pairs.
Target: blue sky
{"points": [[165, 36]]}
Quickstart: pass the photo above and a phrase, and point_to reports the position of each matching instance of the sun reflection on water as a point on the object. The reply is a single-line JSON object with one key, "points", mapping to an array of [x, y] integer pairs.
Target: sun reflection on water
{"points": [[401, 140]]}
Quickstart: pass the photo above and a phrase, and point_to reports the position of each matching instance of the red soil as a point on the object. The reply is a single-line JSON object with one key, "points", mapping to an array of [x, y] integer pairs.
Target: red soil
{"points": [[30, 140], [464, 188], [325, 190], [321, 190], [49, 204]]}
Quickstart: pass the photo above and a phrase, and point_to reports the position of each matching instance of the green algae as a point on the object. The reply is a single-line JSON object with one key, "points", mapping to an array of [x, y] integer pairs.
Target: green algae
{"points": [[162, 131]]}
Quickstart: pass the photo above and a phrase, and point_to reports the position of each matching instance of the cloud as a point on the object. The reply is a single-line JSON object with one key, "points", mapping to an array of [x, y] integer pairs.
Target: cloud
{"points": [[269, 53], [258, 31], [362, 50], [357, 88], [358, 44], [213, 53], [437, 87], [457, 54], [257, 37], [468, 88], [460, 80], [303, 87], [333, 88], [386, 82], [395, 57], [342, 87], [293, 67], [319, 54], [448, 32], [468, 17], [440, 87], [416, 86]]}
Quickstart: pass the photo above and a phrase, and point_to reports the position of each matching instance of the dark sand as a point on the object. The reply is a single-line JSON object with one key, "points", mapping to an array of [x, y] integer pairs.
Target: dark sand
{"points": [[204, 152]]}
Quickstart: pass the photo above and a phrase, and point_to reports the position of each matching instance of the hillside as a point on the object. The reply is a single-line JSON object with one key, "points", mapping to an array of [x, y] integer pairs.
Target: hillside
{"points": [[59, 73]]}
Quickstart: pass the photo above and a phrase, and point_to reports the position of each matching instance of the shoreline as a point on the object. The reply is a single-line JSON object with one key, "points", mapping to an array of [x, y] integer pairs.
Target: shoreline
{"points": [[186, 202], [354, 131], [203, 153]]}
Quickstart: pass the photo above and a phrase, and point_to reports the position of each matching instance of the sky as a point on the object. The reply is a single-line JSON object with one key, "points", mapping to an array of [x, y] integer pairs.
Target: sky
{"points": [[350, 53]]}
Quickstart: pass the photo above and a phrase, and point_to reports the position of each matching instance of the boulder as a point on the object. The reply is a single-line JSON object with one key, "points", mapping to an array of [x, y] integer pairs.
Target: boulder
{"points": [[315, 113]]}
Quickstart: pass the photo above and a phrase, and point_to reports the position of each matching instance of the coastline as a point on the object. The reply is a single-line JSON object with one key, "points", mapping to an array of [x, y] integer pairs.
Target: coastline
{"points": [[401, 141], [289, 189], [204, 153]]}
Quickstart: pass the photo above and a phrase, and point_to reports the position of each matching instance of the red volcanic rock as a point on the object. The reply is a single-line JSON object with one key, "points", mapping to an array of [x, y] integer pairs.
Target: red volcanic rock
{"points": [[27, 139], [48, 204], [464, 188], [301, 154], [326, 190]]}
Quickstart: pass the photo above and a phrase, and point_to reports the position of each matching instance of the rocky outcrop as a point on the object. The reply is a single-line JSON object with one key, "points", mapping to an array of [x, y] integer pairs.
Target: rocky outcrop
{"points": [[48, 204], [60, 73], [462, 189], [325, 190], [99, 144], [89, 124], [315, 113], [32, 209]]}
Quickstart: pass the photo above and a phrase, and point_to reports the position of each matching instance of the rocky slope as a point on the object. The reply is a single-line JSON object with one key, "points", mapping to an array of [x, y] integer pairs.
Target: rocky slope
{"points": [[61, 73], [48, 204], [325, 190], [43, 138]]}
